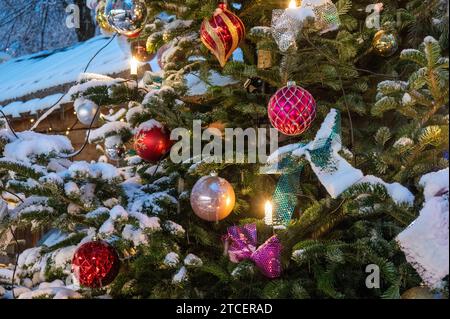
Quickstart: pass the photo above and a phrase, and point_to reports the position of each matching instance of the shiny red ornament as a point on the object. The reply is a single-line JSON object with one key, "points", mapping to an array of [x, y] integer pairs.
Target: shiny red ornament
{"points": [[223, 33], [292, 110], [133, 35], [152, 144], [95, 264]]}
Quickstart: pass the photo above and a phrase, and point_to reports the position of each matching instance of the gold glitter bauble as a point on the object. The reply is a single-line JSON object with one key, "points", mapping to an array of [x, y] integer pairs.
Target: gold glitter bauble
{"points": [[418, 293], [385, 43]]}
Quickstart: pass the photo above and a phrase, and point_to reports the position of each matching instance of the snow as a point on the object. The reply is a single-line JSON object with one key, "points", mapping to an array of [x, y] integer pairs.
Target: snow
{"points": [[32, 144], [398, 193], [2, 291], [172, 259], [52, 178], [52, 238], [140, 201], [84, 169], [149, 125], [71, 189], [425, 242], [134, 111], [6, 275], [192, 260], [137, 236], [98, 212], [174, 228], [152, 170], [403, 141], [29, 257], [338, 181], [54, 284], [198, 87], [53, 292], [109, 129], [280, 152], [429, 39], [180, 276], [43, 70], [118, 213], [107, 228], [34, 106], [434, 183], [146, 222], [62, 257], [406, 99]]}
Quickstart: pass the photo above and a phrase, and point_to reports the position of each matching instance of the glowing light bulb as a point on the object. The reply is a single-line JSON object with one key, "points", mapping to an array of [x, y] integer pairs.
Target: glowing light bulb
{"points": [[134, 66], [292, 4], [268, 207]]}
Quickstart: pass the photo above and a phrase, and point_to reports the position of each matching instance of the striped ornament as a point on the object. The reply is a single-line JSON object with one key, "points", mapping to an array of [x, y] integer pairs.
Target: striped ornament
{"points": [[222, 33]]}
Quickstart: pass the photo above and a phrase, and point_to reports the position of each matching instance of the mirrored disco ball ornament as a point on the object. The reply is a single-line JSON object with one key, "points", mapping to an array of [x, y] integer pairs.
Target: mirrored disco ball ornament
{"points": [[95, 264], [292, 110], [87, 111], [127, 17], [212, 198], [385, 43], [102, 21], [115, 152]]}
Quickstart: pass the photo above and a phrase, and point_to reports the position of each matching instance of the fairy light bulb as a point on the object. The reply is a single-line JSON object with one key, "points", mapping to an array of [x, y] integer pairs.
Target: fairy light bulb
{"points": [[133, 66], [293, 4], [268, 208]]}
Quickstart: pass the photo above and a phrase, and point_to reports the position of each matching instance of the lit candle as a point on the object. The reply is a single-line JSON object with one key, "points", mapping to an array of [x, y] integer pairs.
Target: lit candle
{"points": [[293, 11], [134, 66], [268, 213]]}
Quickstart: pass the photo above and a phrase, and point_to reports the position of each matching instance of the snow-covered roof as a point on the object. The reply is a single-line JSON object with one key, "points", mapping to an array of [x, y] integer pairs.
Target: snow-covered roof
{"points": [[22, 77]]}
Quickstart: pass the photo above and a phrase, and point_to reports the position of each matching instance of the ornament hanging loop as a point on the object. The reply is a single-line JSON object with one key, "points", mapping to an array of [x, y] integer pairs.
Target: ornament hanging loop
{"points": [[223, 4]]}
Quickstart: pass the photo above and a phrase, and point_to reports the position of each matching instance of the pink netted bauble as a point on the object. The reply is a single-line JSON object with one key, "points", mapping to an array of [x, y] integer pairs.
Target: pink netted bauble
{"points": [[95, 264], [292, 110]]}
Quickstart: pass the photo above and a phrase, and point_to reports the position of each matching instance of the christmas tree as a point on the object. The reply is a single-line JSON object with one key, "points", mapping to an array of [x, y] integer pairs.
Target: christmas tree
{"points": [[358, 95]]}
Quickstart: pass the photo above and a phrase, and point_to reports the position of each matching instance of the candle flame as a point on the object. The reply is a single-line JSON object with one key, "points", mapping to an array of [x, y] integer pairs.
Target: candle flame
{"points": [[268, 213], [293, 4]]}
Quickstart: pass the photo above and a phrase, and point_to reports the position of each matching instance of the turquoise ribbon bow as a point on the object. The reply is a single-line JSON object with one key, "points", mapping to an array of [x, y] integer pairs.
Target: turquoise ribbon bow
{"points": [[319, 153]]}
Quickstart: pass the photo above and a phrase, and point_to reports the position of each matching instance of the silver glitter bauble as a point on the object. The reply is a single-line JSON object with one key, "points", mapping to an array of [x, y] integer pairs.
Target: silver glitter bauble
{"points": [[87, 111], [127, 17]]}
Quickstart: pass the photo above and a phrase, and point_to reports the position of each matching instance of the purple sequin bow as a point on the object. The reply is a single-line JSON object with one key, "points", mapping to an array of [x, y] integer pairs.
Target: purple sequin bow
{"points": [[242, 245]]}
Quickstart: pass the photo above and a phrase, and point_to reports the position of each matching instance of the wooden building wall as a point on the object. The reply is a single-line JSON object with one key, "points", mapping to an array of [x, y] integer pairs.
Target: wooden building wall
{"points": [[56, 123]]}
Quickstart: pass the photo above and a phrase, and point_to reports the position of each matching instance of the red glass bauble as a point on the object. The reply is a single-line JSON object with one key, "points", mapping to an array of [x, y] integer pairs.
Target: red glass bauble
{"points": [[133, 35], [95, 264], [152, 144], [222, 33], [139, 51], [292, 110]]}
